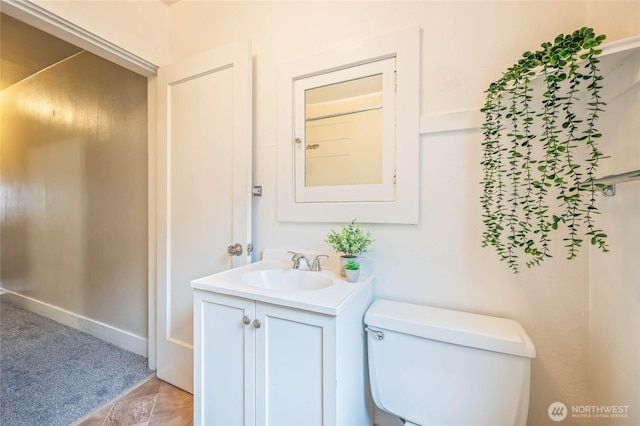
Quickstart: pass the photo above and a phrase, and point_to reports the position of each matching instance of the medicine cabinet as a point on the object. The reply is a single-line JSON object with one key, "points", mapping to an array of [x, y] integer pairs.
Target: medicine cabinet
{"points": [[348, 130]]}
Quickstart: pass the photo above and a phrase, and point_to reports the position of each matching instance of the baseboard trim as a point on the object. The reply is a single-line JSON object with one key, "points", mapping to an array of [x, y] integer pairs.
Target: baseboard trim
{"points": [[108, 333]]}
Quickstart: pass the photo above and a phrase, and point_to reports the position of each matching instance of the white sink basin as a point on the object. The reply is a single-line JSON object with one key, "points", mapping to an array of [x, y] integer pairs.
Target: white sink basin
{"points": [[286, 280], [272, 280]]}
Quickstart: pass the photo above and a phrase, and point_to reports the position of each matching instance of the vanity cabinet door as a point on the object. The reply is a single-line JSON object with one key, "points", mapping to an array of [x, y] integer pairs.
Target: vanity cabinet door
{"points": [[296, 367], [262, 364], [224, 360]]}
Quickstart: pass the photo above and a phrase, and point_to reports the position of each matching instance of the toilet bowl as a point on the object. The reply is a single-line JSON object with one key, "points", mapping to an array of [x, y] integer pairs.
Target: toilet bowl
{"points": [[432, 366]]}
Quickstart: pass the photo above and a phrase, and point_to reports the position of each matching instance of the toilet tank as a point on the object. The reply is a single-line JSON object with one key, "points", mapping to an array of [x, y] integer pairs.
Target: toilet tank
{"points": [[433, 366]]}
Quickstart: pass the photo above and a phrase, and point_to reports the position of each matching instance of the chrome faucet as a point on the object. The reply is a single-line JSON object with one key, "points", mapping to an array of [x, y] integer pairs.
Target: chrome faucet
{"points": [[313, 266], [297, 257]]}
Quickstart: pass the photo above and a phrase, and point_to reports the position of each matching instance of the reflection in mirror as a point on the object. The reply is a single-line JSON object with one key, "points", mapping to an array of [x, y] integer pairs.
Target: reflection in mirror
{"points": [[343, 133]]}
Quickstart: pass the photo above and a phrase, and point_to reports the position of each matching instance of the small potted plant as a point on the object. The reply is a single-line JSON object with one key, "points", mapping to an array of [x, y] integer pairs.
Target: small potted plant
{"points": [[352, 270], [351, 241]]}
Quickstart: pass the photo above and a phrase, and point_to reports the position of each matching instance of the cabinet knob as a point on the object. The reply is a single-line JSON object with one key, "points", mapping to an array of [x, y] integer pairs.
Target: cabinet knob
{"points": [[246, 320], [256, 323]]}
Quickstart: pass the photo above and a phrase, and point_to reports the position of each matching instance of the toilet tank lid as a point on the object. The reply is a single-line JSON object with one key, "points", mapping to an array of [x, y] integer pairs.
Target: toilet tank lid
{"points": [[461, 328]]}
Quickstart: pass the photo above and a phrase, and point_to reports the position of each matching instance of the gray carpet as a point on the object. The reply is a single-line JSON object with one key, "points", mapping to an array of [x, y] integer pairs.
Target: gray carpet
{"points": [[51, 374]]}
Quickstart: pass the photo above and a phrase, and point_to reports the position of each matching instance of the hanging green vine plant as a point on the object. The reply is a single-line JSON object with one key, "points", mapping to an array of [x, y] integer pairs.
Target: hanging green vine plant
{"points": [[540, 157]]}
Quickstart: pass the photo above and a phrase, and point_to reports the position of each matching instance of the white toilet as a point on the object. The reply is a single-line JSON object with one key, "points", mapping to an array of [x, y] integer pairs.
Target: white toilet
{"points": [[432, 366]]}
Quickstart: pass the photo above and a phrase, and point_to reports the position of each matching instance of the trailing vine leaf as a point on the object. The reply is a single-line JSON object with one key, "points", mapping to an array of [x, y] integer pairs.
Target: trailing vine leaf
{"points": [[524, 172]]}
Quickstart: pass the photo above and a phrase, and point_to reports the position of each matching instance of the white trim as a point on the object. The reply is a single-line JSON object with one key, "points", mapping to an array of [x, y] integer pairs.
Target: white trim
{"points": [[121, 338], [630, 44], [44, 20], [152, 202], [451, 122]]}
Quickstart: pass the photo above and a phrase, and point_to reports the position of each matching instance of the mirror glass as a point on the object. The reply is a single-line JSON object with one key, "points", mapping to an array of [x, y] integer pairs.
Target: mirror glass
{"points": [[343, 133]]}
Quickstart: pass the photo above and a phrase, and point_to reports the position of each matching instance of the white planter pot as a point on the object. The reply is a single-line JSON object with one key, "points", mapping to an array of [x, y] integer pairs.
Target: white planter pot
{"points": [[352, 275], [343, 261]]}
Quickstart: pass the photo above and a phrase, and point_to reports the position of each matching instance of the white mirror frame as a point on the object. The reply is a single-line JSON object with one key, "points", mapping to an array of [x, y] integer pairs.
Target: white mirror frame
{"points": [[383, 191], [405, 47]]}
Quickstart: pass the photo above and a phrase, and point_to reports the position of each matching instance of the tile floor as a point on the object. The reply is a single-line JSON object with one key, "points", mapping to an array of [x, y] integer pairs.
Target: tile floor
{"points": [[152, 403]]}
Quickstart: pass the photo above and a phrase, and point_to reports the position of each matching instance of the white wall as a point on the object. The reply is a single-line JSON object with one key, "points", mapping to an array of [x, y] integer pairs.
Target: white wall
{"points": [[466, 45], [614, 338]]}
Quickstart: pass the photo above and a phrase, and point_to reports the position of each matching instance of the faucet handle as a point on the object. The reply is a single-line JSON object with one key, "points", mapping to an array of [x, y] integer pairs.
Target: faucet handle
{"points": [[296, 256], [315, 266]]}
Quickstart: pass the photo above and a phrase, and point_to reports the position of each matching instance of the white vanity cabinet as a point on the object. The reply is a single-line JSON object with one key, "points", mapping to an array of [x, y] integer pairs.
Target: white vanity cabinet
{"points": [[265, 363]]}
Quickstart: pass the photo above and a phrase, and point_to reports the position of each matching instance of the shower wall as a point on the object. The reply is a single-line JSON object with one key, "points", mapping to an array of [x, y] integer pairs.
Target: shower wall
{"points": [[73, 169]]}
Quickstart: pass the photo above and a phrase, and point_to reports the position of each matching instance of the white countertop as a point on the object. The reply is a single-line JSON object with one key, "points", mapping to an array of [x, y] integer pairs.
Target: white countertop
{"points": [[329, 300]]}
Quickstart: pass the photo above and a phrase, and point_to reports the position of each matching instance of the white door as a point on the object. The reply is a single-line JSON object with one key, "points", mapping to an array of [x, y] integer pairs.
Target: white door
{"points": [[203, 190]]}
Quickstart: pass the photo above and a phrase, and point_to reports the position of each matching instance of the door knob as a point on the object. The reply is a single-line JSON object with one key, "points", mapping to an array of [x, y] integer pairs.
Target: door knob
{"points": [[246, 320], [234, 250], [256, 323]]}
